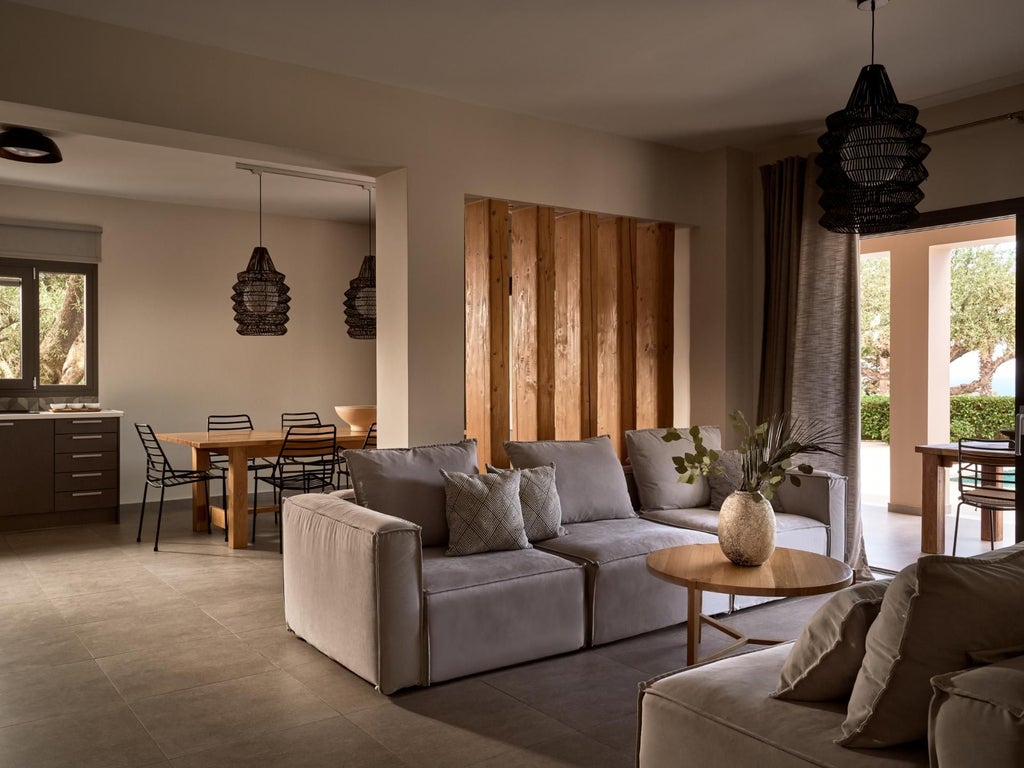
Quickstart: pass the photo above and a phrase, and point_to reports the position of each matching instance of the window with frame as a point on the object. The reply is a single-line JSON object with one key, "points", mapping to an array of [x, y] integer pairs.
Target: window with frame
{"points": [[48, 329]]}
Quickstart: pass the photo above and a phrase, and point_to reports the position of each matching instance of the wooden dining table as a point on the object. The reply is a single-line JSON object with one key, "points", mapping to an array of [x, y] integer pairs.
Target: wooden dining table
{"points": [[239, 446], [935, 458]]}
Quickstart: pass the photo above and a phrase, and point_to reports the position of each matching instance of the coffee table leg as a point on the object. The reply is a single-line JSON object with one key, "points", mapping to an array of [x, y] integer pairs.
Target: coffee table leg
{"points": [[693, 621]]}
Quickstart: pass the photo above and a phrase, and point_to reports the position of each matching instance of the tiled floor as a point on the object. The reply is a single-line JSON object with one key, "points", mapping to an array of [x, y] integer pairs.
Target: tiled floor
{"points": [[113, 655]]}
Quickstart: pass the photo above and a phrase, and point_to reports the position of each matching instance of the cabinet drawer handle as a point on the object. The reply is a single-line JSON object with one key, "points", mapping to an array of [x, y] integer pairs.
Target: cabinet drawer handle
{"points": [[6, 423], [87, 421], [86, 455], [87, 474], [88, 493], [87, 437]]}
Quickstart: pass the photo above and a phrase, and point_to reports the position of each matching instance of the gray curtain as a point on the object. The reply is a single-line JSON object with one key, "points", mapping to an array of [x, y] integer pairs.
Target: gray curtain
{"points": [[810, 362]]}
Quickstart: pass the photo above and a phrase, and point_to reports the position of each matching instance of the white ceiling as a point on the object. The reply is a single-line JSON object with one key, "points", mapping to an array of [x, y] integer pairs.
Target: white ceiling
{"points": [[698, 74]]}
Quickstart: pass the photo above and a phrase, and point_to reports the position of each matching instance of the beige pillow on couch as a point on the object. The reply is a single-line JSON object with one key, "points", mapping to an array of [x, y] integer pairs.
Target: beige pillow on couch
{"points": [[826, 657], [935, 615]]}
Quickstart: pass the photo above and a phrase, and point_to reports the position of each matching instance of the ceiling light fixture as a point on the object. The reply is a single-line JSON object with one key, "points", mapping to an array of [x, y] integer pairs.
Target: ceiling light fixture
{"points": [[872, 159], [361, 296], [261, 295], [26, 145]]}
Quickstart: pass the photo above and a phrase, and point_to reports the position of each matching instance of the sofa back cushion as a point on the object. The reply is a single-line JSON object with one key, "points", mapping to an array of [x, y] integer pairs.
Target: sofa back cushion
{"points": [[588, 475], [657, 481], [407, 482], [935, 615]]}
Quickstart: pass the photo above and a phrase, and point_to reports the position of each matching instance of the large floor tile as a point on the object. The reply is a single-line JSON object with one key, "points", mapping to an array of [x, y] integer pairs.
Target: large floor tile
{"points": [[113, 636], [26, 620], [166, 668], [244, 615], [110, 736], [343, 690], [581, 690], [575, 751], [19, 586], [51, 647], [202, 718], [118, 603], [455, 724], [332, 743], [281, 646], [99, 577], [34, 693]]}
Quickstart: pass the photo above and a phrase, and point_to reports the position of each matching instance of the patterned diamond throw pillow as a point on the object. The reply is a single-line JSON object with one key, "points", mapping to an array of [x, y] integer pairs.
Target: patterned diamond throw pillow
{"points": [[484, 513], [538, 496]]}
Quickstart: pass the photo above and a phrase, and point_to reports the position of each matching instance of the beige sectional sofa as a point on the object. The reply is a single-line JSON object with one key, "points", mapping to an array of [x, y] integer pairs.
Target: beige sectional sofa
{"points": [[939, 680], [369, 583]]}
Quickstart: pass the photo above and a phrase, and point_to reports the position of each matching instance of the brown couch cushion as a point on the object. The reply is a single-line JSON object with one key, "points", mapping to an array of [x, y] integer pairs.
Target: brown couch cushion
{"points": [[827, 655], [934, 614]]}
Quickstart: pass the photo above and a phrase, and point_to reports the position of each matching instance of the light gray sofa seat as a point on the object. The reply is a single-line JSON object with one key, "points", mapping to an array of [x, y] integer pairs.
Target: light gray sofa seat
{"points": [[720, 714], [623, 597], [498, 608]]}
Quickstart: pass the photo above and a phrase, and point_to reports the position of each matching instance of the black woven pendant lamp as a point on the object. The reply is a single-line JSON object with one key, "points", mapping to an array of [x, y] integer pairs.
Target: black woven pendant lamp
{"points": [[872, 159], [261, 295], [26, 145], [361, 296]]}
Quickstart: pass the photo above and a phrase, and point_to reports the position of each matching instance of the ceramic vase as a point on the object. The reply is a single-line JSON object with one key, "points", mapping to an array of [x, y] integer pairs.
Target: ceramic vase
{"points": [[746, 528]]}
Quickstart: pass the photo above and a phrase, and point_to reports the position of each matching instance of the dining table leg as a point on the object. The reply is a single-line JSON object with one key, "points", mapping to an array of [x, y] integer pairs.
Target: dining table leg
{"points": [[933, 504], [200, 498], [238, 498]]}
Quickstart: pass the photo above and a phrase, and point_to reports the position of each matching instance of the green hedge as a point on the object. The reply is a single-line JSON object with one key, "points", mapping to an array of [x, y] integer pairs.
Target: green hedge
{"points": [[969, 416]]}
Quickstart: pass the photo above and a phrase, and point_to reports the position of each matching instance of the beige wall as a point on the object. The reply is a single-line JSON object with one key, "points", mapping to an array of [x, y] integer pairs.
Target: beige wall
{"points": [[919, 343], [169, 353], [181, 94]]}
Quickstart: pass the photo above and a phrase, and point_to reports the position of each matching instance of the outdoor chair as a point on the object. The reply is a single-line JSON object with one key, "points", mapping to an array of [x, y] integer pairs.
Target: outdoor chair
{"points": [[985, 480]]}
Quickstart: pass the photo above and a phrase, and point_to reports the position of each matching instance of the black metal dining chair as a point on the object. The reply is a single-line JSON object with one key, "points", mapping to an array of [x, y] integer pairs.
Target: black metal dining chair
{"points": [[306, 463], [370, 441], [160, 474], [985, 480], [300, 419], [226, 422]]}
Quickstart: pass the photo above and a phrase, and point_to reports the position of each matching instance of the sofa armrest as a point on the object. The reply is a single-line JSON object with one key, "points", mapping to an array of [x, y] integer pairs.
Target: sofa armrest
{"points": [[820, 496], [976, 716], [353, 587]]}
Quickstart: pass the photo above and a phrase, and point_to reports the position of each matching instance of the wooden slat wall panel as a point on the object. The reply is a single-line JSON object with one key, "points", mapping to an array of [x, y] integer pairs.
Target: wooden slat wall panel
{"points": [[498, 338], [568, 306], [627, 326], [588, 327], [654, 325], [606, 331], [545, 271], [524, 323], [478, 326]]}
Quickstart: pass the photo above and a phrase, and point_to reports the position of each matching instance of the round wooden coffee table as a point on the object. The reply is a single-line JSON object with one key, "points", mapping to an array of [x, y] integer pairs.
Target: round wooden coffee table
{"points": [[704, 568]]}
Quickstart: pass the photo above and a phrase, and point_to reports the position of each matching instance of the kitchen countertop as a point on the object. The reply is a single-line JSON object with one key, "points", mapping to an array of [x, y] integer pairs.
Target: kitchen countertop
{"points": [[63, 415]]}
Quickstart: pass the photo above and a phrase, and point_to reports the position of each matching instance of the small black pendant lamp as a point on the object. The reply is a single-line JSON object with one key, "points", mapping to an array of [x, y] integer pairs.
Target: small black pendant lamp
{"points": [[261, 295], [26, 145], [361, 296], [872, 159]]}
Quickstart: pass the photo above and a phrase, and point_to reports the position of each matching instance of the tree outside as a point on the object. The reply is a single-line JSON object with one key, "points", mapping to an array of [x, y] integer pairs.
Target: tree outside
{"points": [[982, 316]]}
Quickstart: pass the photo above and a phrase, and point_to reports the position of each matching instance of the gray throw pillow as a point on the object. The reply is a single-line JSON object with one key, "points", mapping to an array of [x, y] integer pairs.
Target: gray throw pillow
{"points": [[483, 513], [935, 613], [538, 497], [827, 655], [657, 480], [588, 474], [406, 483]]}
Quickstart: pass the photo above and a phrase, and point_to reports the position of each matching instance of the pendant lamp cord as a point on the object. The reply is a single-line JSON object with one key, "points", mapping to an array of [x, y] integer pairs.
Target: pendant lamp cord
{"points": [[872, 32], [369, 219], [260, 177]]}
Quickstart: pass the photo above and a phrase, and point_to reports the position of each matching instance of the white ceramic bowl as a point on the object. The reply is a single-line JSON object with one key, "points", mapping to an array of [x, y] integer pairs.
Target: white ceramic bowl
{"points": [[358, 417], [58, 406]]}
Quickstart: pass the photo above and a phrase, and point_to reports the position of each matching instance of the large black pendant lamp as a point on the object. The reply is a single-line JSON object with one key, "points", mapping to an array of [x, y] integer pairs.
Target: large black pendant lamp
{"points": [[361, 296], [261, 295], [872, 159]]}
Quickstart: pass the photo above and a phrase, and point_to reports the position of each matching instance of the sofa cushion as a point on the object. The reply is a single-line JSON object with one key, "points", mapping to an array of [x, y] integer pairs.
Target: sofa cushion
{"points": [[498, 608], [657, 480], [976, 716], [483, 513], [719, 715], [934, 614], [588, 474], [538, 497], [827, 655], [406, 483], [625, 599], [705, 519]]}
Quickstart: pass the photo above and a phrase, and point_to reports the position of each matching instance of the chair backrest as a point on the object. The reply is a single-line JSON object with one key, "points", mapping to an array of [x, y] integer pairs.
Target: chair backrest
{"points": [[300, 418], [156, 460], [370, 441], [232, 421], [986, 464], [308, 449]]}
